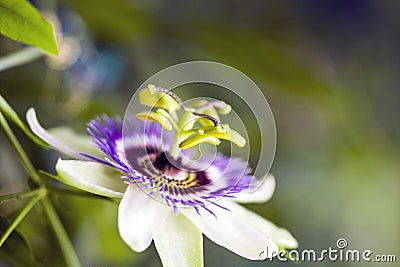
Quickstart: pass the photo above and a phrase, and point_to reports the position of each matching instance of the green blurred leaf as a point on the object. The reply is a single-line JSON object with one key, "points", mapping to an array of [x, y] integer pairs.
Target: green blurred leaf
{"points": [[115, 20], [263, 58], [16, 251], [21, 22]]}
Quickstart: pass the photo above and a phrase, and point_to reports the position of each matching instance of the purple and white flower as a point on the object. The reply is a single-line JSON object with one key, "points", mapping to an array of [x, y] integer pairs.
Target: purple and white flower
{"points": [[160, 201]]}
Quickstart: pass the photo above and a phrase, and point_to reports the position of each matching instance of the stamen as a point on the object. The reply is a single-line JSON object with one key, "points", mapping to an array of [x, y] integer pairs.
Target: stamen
{"points": [[180, 103]]}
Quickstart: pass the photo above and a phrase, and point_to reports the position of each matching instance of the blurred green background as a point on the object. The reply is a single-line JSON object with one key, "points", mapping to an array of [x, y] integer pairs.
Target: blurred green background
{"points": [[329, 69]]}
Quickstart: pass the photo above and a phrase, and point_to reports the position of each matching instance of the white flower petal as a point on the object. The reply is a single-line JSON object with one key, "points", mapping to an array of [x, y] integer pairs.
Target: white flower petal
{"points": [[79, 142], [179, 242], [90, 176], [64, 145], [233, 233], [280, 235], [139, 217], [261, 194]]}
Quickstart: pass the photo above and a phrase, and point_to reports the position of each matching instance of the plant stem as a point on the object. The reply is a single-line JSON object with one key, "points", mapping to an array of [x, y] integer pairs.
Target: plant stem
{"points": [[22, 195], [20, 57], [67, 249], [20, 217], [9, 113], [21, 153]]}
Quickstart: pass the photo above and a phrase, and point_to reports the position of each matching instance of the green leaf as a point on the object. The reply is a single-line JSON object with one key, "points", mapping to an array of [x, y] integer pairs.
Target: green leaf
{"points": [[16, 251], [8, 111], [21, 22], [179, 242]]}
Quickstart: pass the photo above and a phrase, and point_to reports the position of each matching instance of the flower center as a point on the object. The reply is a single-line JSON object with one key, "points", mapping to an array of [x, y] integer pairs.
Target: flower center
{"points": [[164, 173], [155, 159], [145, 157]]}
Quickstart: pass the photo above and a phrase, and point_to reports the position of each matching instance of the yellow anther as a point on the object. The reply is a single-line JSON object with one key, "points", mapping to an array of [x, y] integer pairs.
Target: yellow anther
{"points": [[197, 139], [162, 112], [154, 116], [220, 129], [150, 97], [218, 132], [230, 135], [203, 112]]}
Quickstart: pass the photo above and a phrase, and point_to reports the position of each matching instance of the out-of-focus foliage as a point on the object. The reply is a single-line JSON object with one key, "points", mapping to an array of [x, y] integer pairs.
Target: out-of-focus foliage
{"points": [[115, 21], [274, 64], [329, 70], [17, 245]]}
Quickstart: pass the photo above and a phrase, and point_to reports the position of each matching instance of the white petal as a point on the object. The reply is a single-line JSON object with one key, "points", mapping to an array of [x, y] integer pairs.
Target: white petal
{"points": [[139, 217], [280, 235], [79, 142], [233, 233], [90, 176], [64, 145], [258, 195], [179, 242]]}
